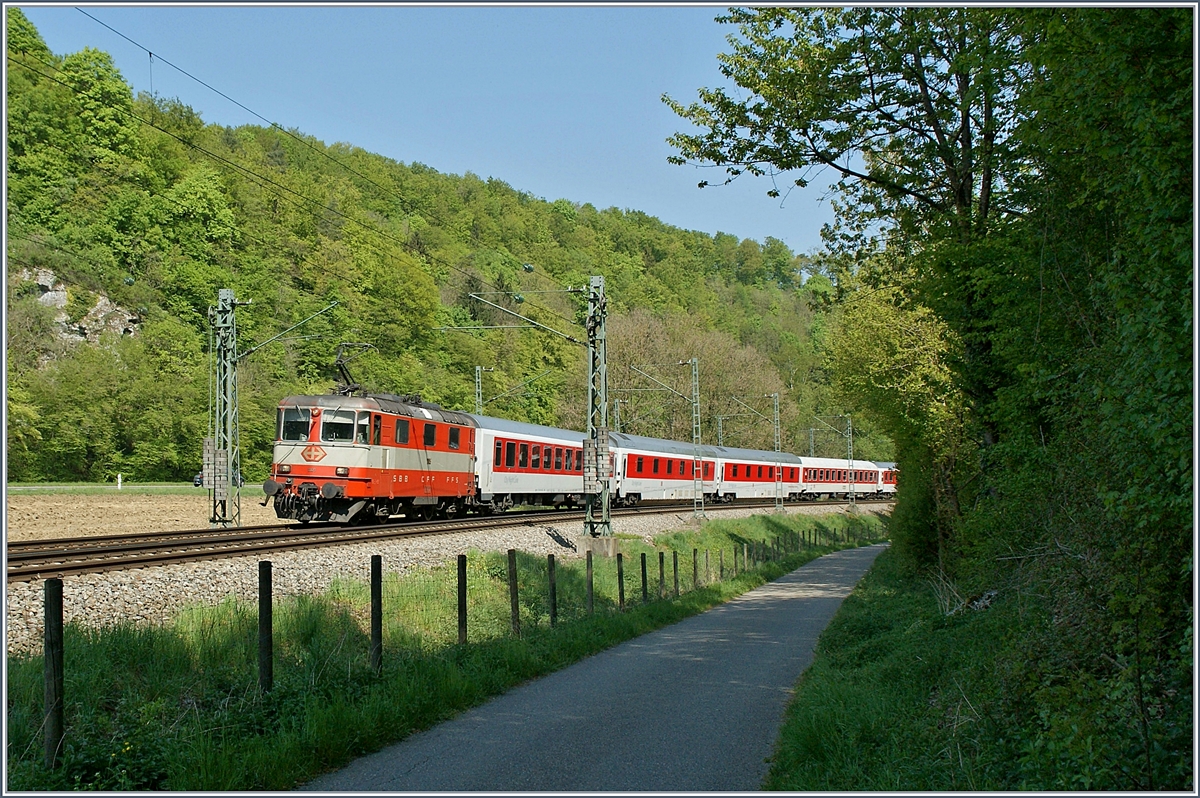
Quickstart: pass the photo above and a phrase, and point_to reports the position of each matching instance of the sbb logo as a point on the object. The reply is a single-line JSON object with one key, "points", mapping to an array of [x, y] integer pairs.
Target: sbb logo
{"points": [[313, 453]]}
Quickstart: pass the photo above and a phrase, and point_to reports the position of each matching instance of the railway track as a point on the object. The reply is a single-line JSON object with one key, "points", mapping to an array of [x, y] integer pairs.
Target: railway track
{"points": [[42, 559]]}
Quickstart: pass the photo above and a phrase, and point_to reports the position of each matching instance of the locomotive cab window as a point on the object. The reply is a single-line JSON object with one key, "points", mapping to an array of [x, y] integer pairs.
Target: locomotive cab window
{"points": [[364, 424], [430, 435], [455, 432], [337, 425], [376, 430], [294, 423], [402, 430]]}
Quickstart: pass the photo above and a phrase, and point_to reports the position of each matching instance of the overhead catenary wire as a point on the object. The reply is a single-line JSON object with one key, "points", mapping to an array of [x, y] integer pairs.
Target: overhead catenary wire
{"points": [[262, 181], [406, 204]]}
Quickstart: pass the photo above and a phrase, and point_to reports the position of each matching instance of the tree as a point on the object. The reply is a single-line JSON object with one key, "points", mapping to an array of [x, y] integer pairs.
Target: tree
{"points": [[910, 106]]}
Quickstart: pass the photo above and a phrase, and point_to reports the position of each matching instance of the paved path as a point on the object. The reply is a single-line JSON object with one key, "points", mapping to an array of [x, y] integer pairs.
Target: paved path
{"points": [[694, 706]]}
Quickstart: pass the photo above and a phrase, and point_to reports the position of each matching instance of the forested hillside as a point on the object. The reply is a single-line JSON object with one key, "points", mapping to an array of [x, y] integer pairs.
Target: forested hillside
{"points": [[1014, 307], [139, 201]]}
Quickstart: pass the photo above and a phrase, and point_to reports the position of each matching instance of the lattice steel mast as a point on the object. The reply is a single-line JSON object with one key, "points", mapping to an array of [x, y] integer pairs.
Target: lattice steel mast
{"points": [[596, 463]]}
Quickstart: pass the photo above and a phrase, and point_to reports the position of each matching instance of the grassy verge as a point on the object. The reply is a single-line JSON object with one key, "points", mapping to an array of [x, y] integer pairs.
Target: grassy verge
{"points": [[177, 707], [902, 697], [898, 696]]}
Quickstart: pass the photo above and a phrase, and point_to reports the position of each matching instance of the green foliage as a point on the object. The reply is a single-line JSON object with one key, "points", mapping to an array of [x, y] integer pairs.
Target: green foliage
{"points": [[904, 695], [1011, 267], [156, 215]]}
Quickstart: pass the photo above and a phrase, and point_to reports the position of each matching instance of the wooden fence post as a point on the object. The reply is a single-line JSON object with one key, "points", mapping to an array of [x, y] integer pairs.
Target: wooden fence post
{"points": [[376, 612], [675, 570], [745, 559], [52, 657], [589, 582], [462, 599], [645, 592], [553, 590], [707, 571], [266, 652], [721, 562], [512, 592], [662, 575], [695, 568], [620, 582]]}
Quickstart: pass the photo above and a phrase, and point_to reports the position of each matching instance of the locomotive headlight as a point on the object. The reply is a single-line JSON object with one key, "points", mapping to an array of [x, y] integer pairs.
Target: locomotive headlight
{"points": [[342, 471], [284, 469]]}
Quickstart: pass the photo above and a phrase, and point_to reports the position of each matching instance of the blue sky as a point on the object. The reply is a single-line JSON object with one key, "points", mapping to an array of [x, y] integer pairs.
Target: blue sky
{"points": [[555, 101]]}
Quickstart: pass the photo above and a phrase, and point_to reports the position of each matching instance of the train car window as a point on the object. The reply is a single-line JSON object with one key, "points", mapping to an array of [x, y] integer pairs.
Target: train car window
{"points": [[364, 425], [735, 470], [707, 469], [579, 459], [402, 430], [510, 454], [294, 423], [523, 456], [654, 466], [640, 464], [669, 464], [430, 435], [681, 472], [499, 453], [337, 425], [455, 432], [376, 430], [568, 465], [760, 472], [537, 458], [557, 459], [547, 458]]}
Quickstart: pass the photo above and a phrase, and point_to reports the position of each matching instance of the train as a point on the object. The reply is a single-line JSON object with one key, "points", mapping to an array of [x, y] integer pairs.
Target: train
{"points": [[362, 459]]}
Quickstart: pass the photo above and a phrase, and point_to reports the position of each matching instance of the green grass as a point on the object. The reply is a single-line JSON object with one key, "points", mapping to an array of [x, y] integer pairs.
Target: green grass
{"points": [[177, 707], [899, 696]]}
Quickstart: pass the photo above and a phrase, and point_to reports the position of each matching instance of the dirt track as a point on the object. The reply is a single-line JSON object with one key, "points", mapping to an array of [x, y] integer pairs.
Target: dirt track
{"points": [[60, 515]]}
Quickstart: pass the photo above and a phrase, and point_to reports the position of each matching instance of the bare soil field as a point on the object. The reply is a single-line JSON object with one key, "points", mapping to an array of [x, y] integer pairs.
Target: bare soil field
{"points": [[33, 516]]}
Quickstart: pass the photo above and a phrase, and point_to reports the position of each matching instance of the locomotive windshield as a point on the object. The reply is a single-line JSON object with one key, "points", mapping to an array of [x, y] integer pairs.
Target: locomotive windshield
{"points": [[337, 425], [293, 423]]}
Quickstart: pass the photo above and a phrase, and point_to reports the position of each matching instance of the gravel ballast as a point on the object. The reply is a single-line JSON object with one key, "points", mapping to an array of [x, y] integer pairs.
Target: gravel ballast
{"points": [[155, 595]]}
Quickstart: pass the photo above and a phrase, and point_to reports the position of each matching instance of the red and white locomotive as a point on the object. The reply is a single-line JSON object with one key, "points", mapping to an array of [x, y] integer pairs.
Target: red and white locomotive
{"points": [[363, 459]]}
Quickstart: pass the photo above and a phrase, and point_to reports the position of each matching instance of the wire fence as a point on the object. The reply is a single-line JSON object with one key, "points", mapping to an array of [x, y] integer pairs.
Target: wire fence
{"points": [[476, 598]]}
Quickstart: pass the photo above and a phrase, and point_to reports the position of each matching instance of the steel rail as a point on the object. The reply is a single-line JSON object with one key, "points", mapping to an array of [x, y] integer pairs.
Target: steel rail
{"points": [[41, 559]]}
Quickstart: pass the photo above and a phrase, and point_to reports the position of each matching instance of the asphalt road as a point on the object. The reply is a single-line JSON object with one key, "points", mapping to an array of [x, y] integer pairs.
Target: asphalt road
{"points": [[693, 707]]}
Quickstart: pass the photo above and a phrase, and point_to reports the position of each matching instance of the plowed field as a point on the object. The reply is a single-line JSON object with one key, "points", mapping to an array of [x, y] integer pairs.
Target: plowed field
{"points": [[63, 515]]}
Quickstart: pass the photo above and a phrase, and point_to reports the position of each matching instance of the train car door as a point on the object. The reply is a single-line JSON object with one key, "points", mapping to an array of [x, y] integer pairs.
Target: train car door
{"points": [[429, 432]]}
